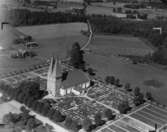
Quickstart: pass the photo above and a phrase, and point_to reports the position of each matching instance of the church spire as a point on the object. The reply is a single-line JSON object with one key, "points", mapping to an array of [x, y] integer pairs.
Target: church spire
{"points": [[53, 83]]}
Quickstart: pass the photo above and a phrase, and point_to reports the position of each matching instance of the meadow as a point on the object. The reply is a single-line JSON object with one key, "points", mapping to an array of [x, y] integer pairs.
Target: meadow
{"points": [[103, 58], [55, 39], [108, 45]]}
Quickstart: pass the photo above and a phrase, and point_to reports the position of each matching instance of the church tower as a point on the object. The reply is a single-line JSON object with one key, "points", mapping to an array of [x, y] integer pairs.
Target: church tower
{"points": [[53, 85]]}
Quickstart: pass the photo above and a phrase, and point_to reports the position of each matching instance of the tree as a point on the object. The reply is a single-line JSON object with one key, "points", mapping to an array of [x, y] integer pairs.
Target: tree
{"points": [[128, 87], [58, 117], [117, 82], [88, 2], [31, 123], [149, 96], [110, 80], [27, 1], [74, 126], [164, 1], [124, 107], [68, 122], [109, 114], [24, 110], [138, 100], [87, 124], [98, 119], [137, 91], [45, 109], [91, 72], [77, 56], [51, 113]]}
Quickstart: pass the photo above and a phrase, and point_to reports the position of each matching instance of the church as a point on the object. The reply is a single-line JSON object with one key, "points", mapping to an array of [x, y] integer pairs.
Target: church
{"points": [[61, 82]]}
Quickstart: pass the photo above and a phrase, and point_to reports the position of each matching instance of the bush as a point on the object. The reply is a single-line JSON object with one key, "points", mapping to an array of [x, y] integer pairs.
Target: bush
{"points": [[124, 107]]}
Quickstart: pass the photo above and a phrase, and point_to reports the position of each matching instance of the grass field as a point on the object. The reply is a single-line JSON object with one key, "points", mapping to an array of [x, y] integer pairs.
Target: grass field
{"points": [[103, 61], [114, 45], [53, 40]]}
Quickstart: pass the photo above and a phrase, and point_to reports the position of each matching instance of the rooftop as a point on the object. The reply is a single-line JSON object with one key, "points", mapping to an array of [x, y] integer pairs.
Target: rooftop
{"points": [[75, 77]]}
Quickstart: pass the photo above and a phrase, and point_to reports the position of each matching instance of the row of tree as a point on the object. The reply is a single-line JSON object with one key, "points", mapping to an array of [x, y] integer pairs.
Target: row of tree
{"points": [[139, 97], [20, 17]]}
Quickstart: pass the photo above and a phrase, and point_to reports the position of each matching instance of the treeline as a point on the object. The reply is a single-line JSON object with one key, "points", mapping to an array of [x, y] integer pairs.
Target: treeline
{"points": [[100, 23], [23, 17], [142, 29], [113, 25]]}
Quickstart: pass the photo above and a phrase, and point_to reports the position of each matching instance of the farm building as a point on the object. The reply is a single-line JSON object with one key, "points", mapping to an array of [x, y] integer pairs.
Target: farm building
{"points": [[61, 82]]}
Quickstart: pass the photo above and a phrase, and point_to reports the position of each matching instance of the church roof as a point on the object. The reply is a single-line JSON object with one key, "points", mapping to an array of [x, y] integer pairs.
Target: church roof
{"points": [[75, 77]]}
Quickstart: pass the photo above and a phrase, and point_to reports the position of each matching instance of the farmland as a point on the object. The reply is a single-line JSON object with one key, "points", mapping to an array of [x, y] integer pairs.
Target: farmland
{"points": [[141, 120]]}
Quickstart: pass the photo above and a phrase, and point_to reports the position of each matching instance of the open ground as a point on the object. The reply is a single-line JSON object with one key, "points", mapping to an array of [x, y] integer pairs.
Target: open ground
{"points": [[103, 58], [53, 39]]}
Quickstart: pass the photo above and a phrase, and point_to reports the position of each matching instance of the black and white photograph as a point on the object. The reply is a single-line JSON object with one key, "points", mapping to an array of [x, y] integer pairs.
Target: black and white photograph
{"points": [[83, 65]]}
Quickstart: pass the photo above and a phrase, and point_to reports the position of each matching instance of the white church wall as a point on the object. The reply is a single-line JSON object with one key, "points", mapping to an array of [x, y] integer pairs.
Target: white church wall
{"points": [[62, 92], [75, 92]]}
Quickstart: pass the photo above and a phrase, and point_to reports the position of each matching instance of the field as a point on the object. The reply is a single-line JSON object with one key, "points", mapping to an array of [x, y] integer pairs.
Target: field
{"points": [[152, 115], [141, 120], [115, 45], [126, 124], [102, 58], [53, 39]]}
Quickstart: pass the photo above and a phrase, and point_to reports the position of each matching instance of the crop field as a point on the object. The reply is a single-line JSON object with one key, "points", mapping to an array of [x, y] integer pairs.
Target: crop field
{"points": [[126, 124], [141, 120], [152, 115]]}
